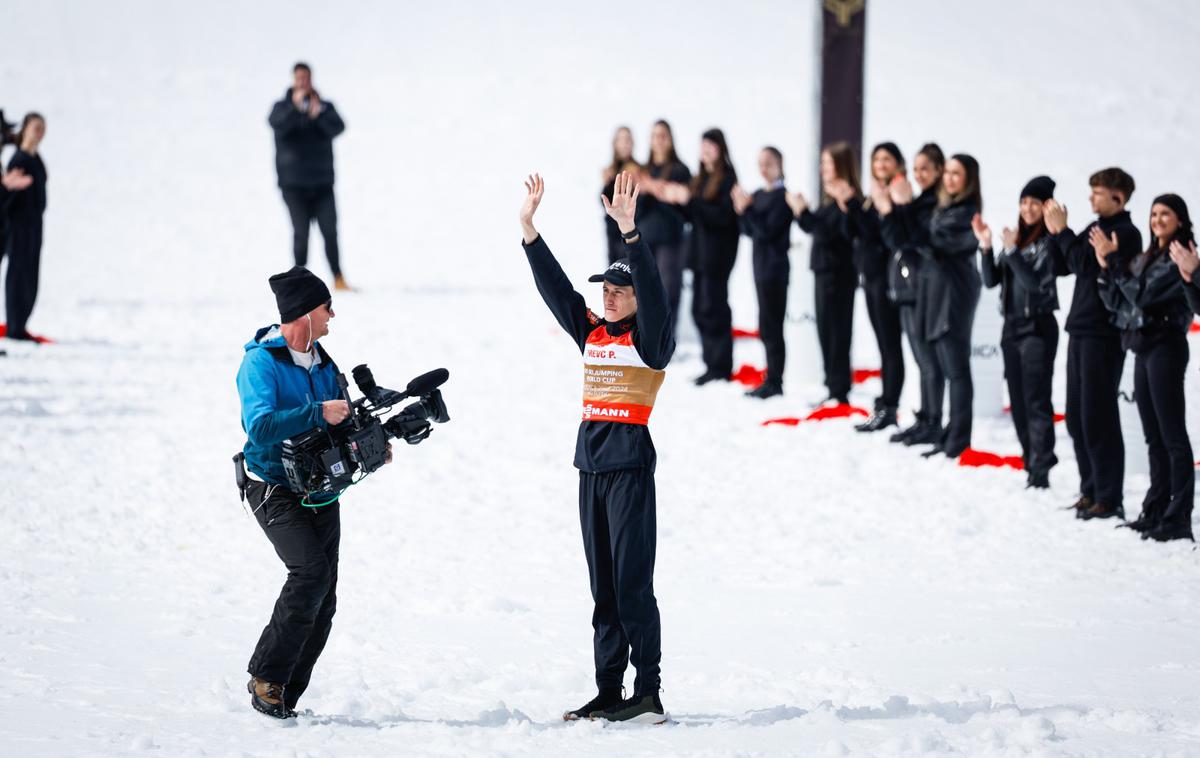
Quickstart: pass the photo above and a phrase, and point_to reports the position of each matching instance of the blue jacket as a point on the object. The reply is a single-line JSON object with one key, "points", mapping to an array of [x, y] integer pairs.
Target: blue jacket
{"points": [[280, 400]]}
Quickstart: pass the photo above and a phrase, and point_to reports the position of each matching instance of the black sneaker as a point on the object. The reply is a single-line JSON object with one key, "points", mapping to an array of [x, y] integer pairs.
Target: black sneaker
{"points": [[639, 709], [267, 698], [882, 418], [604, 699]]}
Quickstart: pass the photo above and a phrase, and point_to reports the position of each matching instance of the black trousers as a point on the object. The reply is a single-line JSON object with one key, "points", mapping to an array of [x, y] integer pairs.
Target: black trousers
{"points": [[835, 324], [306, 540], [885, 320], [710, 309], [1094, 367], [305, 205], [933, 381], [1029, 372], [772, 309], [670, 257], [24, 249], [954, 359], [1158, 386], [617, 516]]}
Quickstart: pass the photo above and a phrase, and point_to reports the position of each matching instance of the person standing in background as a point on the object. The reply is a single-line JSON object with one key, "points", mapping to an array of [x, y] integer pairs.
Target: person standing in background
{"points": [[622, 160], [23, 242], [871, 257], [904, 220], [305, 127], [715, 236], [1026, 271], [662, 211], [832, 264], [767, 220], [1147, 299], [1095, 358]]}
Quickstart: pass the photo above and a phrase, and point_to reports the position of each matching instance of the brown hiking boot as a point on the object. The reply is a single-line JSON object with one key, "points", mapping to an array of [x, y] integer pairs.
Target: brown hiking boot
{"points": [[267, 698], [1100, 510], [339, 284], [1081, 506]]}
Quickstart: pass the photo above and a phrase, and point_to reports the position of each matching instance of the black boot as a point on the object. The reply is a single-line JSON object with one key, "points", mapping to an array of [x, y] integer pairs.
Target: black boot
{"points": [[1038, 480], [605, 698], [904, 434], [882, 418], [930, 434], [766, 390], [267, 698], [1165, 532], [709, 376]]}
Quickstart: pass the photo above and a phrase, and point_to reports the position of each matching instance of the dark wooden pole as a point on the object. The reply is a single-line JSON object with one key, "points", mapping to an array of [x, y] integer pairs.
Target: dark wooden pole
{"points": [[843, 37]]}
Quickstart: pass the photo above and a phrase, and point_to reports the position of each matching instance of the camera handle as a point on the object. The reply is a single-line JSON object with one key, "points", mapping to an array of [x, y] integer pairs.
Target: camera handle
{"points": [[344, 386]]}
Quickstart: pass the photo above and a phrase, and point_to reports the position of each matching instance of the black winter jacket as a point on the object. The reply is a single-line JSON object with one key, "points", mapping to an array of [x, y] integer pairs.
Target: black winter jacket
{"points": [[659, 222], [29, 203], [870, 249], [304, 145], [768, 222], [1089, 317], [948, 250], [832, 246], [714, 227], [1147, 300], [899, 230], [608, 445], [1027, 279]]}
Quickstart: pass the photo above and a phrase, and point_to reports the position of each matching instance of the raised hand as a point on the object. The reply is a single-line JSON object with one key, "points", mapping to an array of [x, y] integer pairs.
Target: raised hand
{"points": [[840, 190], [623, 207], [16, 180], [1009, 236], [1055, 214], [983, 232], [900, 190], [741, 200], [534, 187], [314, 105], [796, 202], [1186, 258], [1104, 246], [880, 198]]}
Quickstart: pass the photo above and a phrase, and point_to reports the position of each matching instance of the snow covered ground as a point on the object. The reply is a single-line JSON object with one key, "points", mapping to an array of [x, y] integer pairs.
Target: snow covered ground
{"points": [[822, 593]]}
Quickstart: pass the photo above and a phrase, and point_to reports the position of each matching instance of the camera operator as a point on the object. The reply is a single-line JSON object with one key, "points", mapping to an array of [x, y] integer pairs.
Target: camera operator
{"points": [[287, 384], [625, 353]]}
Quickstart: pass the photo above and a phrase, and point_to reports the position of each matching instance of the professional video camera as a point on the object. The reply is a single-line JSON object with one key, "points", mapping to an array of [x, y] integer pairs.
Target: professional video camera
{"points": [[321, 462]]}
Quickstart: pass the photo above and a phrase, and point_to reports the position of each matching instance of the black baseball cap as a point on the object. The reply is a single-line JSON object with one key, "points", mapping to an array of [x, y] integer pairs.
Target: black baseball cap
{"points": [[619, 273]]}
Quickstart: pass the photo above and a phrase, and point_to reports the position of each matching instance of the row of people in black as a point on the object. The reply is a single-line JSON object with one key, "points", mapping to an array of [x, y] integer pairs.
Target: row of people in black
{"points": [[922, 259], [22, 205]]}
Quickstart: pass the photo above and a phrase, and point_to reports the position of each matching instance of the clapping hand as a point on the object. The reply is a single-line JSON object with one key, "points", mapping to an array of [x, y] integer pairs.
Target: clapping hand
{"points": [[16, 180], [880, 198], [741, 200], [840, 190], [1104, 246], [1008, 236], [1185, 258], [900, 190], [1055, 215], [796, 202], [983, 232]]}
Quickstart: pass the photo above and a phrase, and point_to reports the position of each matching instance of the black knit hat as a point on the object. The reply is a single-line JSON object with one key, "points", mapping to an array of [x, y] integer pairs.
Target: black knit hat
{"points": [[891, 149], [1039, 187], [297, 292]]}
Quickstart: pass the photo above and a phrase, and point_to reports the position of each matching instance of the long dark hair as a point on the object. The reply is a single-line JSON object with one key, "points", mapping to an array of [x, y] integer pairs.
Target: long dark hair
{"points": [[845, 165], [708, 183], [672, 156], [25, 125], [1027, 235], [972, 190]]}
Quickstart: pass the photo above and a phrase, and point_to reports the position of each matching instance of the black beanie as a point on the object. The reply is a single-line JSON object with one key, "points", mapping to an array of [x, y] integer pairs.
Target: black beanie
{"points": [[891, 148], [297, 292], [1176, 204], [1039, 187]]}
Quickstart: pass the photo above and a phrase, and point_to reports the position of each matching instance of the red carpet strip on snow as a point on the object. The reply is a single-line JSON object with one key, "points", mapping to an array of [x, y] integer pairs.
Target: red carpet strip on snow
{"points": [[1195, 327], [820, 414], [977, 458], [750, 376], [36, 337], [1058, 417], [860, 375], [745, 334]]}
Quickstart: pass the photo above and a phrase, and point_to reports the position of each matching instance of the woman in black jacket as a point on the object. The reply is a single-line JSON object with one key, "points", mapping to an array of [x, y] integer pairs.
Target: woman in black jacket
{"points": [[622, 160], [662, 210], [767, 220], [24, 240], [715, 237], [1146, 297], [949, 249], [1026, 272], [832, 263], [904, 220], [871, 256]]}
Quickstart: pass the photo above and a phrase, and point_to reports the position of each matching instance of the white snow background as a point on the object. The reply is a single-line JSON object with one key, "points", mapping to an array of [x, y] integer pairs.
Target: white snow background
{"points": [[822, 592]]}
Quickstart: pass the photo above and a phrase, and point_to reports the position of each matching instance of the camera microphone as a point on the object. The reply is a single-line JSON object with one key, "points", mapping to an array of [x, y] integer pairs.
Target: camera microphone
{"points": [[427, 382], [364, 379]]}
